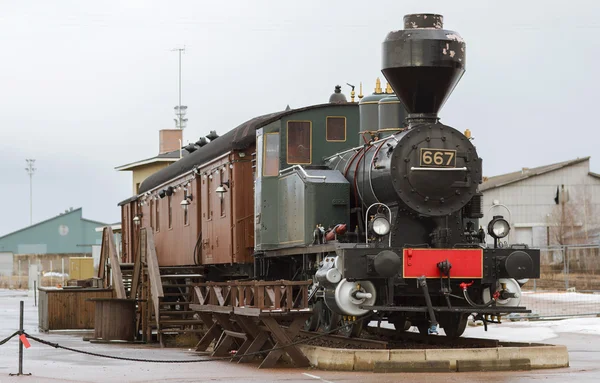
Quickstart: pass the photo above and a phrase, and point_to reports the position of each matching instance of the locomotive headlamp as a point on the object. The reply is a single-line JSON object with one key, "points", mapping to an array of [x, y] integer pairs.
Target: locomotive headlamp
{"points": [[380, 225], [498, 227]]}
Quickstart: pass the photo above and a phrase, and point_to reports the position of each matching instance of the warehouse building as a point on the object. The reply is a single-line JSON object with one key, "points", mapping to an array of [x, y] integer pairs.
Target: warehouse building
{"points": [[550, 205], [65, 235]]}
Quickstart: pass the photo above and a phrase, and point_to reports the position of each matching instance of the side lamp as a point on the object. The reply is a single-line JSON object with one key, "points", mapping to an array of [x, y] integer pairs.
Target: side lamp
{"points": [[186, 201], [221, 189]]}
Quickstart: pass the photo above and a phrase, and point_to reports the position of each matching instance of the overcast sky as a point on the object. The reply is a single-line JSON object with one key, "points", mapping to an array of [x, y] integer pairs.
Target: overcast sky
{"points": [[86, 85]]}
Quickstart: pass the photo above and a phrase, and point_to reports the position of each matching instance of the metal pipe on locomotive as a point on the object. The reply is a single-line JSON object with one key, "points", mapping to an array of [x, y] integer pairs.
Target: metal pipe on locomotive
{"points": [[415, 197]]}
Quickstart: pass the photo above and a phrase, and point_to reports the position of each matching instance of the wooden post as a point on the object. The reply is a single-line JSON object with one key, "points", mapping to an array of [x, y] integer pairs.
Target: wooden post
{"points": [[20, 343], [102, 262]]}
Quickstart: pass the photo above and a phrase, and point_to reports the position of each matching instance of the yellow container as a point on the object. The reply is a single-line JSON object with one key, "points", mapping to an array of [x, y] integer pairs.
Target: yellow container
{"points": [[81, 268]]}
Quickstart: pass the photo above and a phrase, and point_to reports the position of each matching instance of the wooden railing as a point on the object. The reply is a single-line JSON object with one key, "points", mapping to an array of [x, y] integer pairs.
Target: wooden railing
{"points": [[156, 287], [108, 251], [264, 295]]}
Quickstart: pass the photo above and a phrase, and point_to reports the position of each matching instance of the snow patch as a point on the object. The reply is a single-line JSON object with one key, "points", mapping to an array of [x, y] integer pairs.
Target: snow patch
{"points": [[455, 37], [563, 297], [526, 331]]}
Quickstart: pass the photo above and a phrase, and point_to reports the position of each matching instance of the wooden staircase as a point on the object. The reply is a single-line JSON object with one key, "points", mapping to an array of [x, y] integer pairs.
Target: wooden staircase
{"points": [[174, 314], [162, 294], [127, 270]]}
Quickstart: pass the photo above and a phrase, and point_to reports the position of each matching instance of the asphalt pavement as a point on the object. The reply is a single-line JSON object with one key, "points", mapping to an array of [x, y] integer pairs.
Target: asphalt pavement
{"points": [[47, 364]]}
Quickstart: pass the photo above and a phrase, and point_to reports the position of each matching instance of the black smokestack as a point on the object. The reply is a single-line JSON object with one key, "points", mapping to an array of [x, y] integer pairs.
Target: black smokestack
{"points": [[423, 63]]}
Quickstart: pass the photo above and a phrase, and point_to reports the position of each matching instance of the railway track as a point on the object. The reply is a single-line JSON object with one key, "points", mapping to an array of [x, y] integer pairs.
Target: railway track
{"points": [[382, 338], [356, 342]]}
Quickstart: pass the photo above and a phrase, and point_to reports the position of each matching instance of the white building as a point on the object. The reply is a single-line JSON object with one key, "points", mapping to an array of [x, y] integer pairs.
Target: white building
{"points": [[547, 205]]}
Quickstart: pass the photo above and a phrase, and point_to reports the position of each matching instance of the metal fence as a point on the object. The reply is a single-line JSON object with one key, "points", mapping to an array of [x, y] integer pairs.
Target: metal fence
{"points": [[569, 283]]}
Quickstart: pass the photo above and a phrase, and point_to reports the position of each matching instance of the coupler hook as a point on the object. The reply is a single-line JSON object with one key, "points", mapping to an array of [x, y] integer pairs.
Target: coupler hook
{"points": [[433, 323]]}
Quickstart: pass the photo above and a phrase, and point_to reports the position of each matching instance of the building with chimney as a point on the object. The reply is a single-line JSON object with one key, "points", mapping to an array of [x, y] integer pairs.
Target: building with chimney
{"points": [[170, 142]]}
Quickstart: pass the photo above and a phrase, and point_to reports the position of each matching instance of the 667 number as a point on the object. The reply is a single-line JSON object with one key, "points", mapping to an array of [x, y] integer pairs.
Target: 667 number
{"points": [[441, 158]]}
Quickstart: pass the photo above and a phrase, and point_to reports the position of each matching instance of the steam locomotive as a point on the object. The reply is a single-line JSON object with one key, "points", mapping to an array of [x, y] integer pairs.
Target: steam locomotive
{"points": [[385, 228]]}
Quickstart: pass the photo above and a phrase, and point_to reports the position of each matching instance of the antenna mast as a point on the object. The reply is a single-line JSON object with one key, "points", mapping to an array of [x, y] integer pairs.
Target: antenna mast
{"points": [[180, 110], [30, 169]]}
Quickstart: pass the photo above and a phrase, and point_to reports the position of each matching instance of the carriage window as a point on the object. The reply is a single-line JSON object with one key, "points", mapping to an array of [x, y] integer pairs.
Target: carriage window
{"points": [[299, 137], [208, 198], [170, 213], [151, 213], [271, 155], [336, 129], [222, 198], [157, 216]]}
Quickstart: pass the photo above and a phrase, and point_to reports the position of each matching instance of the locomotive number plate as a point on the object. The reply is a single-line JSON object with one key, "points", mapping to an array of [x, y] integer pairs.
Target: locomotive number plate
{"points": [[437, 158]]}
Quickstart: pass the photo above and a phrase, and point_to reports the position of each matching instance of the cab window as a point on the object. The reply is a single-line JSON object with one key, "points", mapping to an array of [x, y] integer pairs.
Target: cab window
{"points": [[271, 154], [299, 142], [336, 129]]}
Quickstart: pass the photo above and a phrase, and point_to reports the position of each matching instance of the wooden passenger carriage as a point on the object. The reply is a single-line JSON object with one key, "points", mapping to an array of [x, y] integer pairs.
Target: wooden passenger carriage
{"points": [[213, 228]]}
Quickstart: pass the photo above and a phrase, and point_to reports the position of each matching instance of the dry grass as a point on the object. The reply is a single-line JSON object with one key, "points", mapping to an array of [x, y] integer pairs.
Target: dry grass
{"points": [[16, 282], [556, 281], [13, 282]]}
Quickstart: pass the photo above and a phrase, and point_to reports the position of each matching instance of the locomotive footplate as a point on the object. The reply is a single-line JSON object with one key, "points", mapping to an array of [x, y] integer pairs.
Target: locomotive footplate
{"points": [[487, 310]]}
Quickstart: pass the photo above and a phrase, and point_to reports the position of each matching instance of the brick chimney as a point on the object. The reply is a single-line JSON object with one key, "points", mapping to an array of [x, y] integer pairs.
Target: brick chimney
{"points": [[170, 140]]}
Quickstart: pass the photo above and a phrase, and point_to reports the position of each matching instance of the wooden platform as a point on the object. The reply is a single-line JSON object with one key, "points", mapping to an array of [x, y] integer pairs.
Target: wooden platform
{"points": [[253, 318]]}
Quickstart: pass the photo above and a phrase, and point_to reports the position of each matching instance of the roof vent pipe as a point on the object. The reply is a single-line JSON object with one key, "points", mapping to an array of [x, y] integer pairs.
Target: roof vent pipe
{"points": [[212, 135]]}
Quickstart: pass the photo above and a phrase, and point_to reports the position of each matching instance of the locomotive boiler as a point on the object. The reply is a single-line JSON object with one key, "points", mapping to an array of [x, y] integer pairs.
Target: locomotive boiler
{"points": [[387, 229]]}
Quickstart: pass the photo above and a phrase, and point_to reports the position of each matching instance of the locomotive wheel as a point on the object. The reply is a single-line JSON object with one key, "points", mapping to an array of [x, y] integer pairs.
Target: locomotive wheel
{"points": [[454, 325], [329, 320], [351, 330], [312, 323]]}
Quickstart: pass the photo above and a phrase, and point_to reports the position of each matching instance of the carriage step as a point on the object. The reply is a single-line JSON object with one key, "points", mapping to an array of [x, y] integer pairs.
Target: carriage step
{"points": [[179, 331], [176, 312], [180, 322], [175, 285], [176, 276]]}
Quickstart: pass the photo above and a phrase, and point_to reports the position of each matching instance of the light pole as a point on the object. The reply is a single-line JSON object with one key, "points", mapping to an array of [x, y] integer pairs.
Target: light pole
{"points": [[180, 110], [30, 169]]}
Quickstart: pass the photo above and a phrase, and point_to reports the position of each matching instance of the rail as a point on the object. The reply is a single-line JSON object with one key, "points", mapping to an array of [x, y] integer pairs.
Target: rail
{"points": [[108, 251], [304, 173], [154, 274], [325, 159], [464, 169]]}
